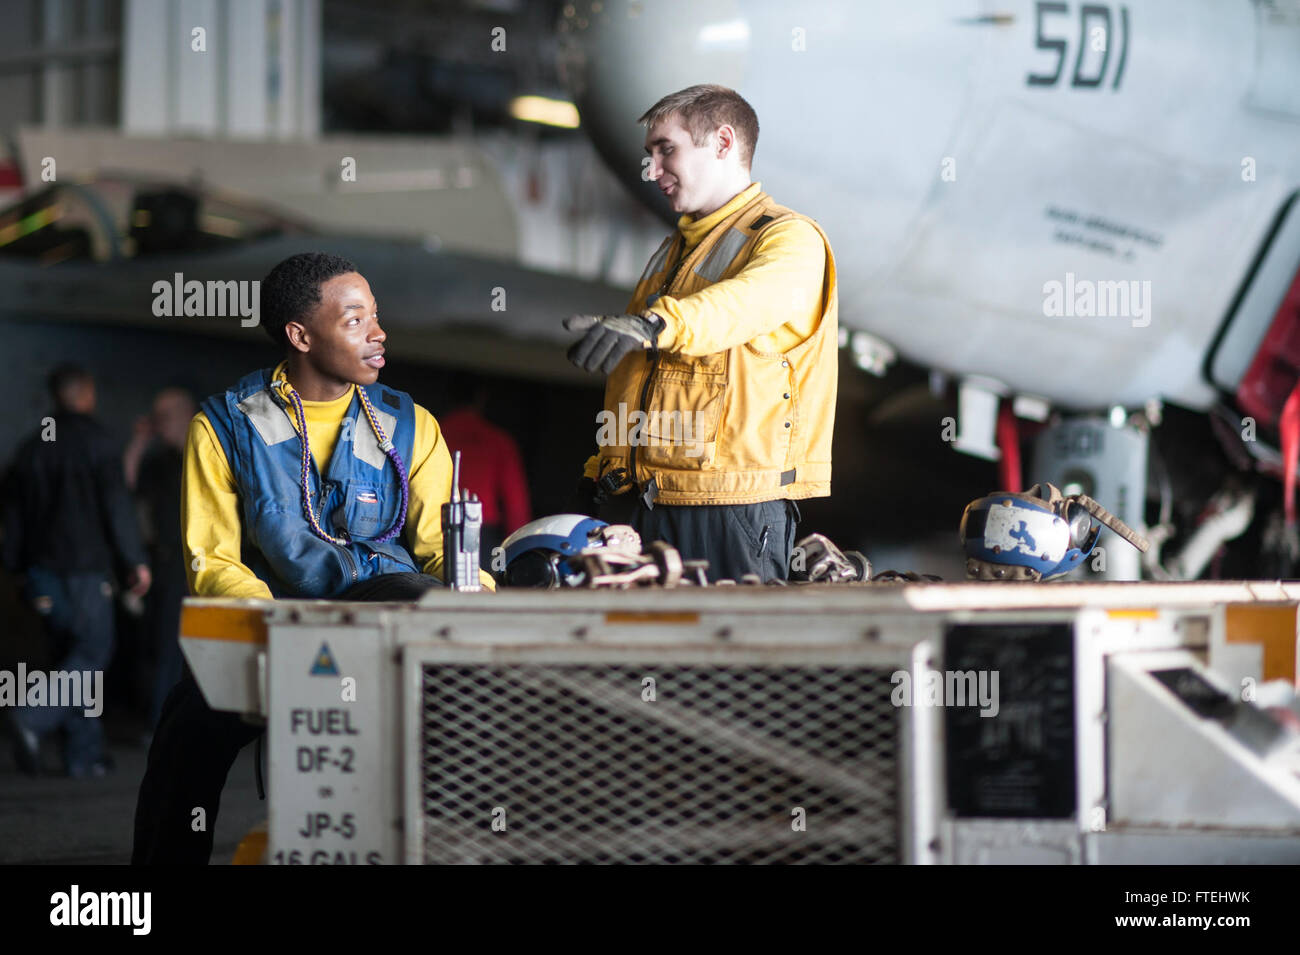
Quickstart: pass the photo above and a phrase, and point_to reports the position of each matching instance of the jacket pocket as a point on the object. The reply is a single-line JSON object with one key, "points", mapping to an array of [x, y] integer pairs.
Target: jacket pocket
{"points": [[390, 557], [759, 525], [683, 414], [364, 512]]}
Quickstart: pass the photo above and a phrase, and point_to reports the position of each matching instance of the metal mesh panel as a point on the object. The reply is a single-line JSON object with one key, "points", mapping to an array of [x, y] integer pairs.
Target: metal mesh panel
{"points": [[709, 772]]}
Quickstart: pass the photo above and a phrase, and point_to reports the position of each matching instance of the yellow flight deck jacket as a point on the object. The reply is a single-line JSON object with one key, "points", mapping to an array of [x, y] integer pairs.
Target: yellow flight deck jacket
{"points": [[737, 406]]}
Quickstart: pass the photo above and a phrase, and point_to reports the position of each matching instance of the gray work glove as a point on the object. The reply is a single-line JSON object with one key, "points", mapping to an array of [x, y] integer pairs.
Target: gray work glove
{"points": [[607, 338]]}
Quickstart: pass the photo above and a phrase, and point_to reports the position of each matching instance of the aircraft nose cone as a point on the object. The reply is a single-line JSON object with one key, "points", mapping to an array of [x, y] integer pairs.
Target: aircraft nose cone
{"points": [[619, 57]]}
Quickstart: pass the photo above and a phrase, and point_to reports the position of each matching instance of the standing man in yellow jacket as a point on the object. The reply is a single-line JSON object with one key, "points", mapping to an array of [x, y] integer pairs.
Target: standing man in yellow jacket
{"points": [[720, 401]]}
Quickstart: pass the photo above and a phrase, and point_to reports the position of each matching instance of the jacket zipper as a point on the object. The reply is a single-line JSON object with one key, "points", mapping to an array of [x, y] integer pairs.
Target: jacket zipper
{"points": [[645, 393], [352, 562], [654, 360], [353, 569]]}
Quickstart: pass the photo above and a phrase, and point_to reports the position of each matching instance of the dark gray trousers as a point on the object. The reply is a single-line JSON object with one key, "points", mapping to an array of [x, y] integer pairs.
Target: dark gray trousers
{"points": [[736, 539]]}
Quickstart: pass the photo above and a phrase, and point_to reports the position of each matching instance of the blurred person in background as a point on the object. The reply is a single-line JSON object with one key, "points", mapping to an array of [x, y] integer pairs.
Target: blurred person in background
{"points": [[69, 527], [491, 467], [152, 462]]}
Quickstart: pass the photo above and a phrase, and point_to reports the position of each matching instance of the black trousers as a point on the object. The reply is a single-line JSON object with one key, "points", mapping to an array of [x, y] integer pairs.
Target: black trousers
{"points": [[162, 623], [736, 539], [194, 747]]}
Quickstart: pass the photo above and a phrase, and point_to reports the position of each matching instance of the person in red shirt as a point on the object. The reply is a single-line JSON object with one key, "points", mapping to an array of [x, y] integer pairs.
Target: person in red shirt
{"points": [[491, 467]]}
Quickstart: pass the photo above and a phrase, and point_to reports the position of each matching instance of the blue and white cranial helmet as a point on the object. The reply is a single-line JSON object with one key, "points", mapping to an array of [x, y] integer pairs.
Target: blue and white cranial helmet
{"points": [[1035, 535], [540, 554]]}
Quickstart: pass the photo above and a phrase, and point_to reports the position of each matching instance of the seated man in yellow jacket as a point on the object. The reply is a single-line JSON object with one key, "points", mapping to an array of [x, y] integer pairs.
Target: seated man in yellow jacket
{"points": [[720, 401], [307, 480]]}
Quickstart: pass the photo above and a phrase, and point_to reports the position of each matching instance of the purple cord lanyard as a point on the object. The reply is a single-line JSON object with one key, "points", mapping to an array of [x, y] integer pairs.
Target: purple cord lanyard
{"points": [[384, 445]]}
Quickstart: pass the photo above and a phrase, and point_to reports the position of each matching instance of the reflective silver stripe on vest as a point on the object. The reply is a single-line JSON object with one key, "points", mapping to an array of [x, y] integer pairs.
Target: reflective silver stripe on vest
{"points": [[657, 260], [720, 256], [270, 420], [364, 443]]}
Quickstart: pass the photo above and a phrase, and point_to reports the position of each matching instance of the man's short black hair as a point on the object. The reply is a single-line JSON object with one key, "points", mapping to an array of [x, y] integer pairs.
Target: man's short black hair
{"points": [[291, 290], [64, 379]]}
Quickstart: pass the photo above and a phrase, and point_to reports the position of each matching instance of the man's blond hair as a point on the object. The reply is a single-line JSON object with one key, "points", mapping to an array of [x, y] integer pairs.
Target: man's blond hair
{"points": [[702, 109]]}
